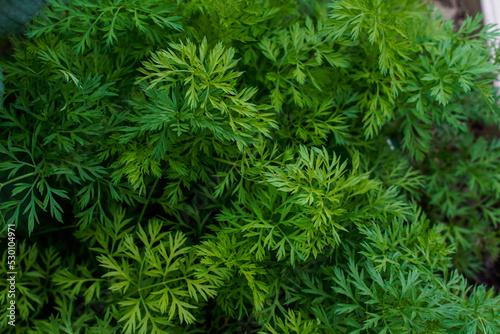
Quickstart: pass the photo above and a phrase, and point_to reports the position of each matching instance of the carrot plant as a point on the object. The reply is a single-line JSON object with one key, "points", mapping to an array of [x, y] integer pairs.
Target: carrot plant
{"points": [[244, 166]]}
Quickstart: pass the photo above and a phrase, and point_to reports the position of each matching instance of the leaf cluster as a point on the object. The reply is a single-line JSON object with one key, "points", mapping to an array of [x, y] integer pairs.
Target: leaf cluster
{"points": [[270, 166]]}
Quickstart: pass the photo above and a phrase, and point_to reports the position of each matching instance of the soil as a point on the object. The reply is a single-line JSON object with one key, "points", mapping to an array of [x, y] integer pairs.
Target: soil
{"points": [[457, 10], [451, 9]]}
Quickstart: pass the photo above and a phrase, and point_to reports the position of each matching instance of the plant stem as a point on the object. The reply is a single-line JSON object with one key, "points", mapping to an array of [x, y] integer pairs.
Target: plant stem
{"points": [[147, 202], [16, 179], [54, 229]]}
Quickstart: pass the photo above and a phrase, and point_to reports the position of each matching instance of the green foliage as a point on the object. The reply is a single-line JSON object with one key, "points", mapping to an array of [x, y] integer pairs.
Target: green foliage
{"points": [[2, 89], [244, 166]]}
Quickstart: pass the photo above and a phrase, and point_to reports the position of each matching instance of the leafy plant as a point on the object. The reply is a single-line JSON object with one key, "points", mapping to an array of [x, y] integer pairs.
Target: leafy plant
{"points": [[270, 166]]}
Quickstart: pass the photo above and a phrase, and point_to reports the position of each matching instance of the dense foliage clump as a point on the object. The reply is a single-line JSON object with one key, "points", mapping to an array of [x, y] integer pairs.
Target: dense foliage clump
{"points": [[238, 166]]}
